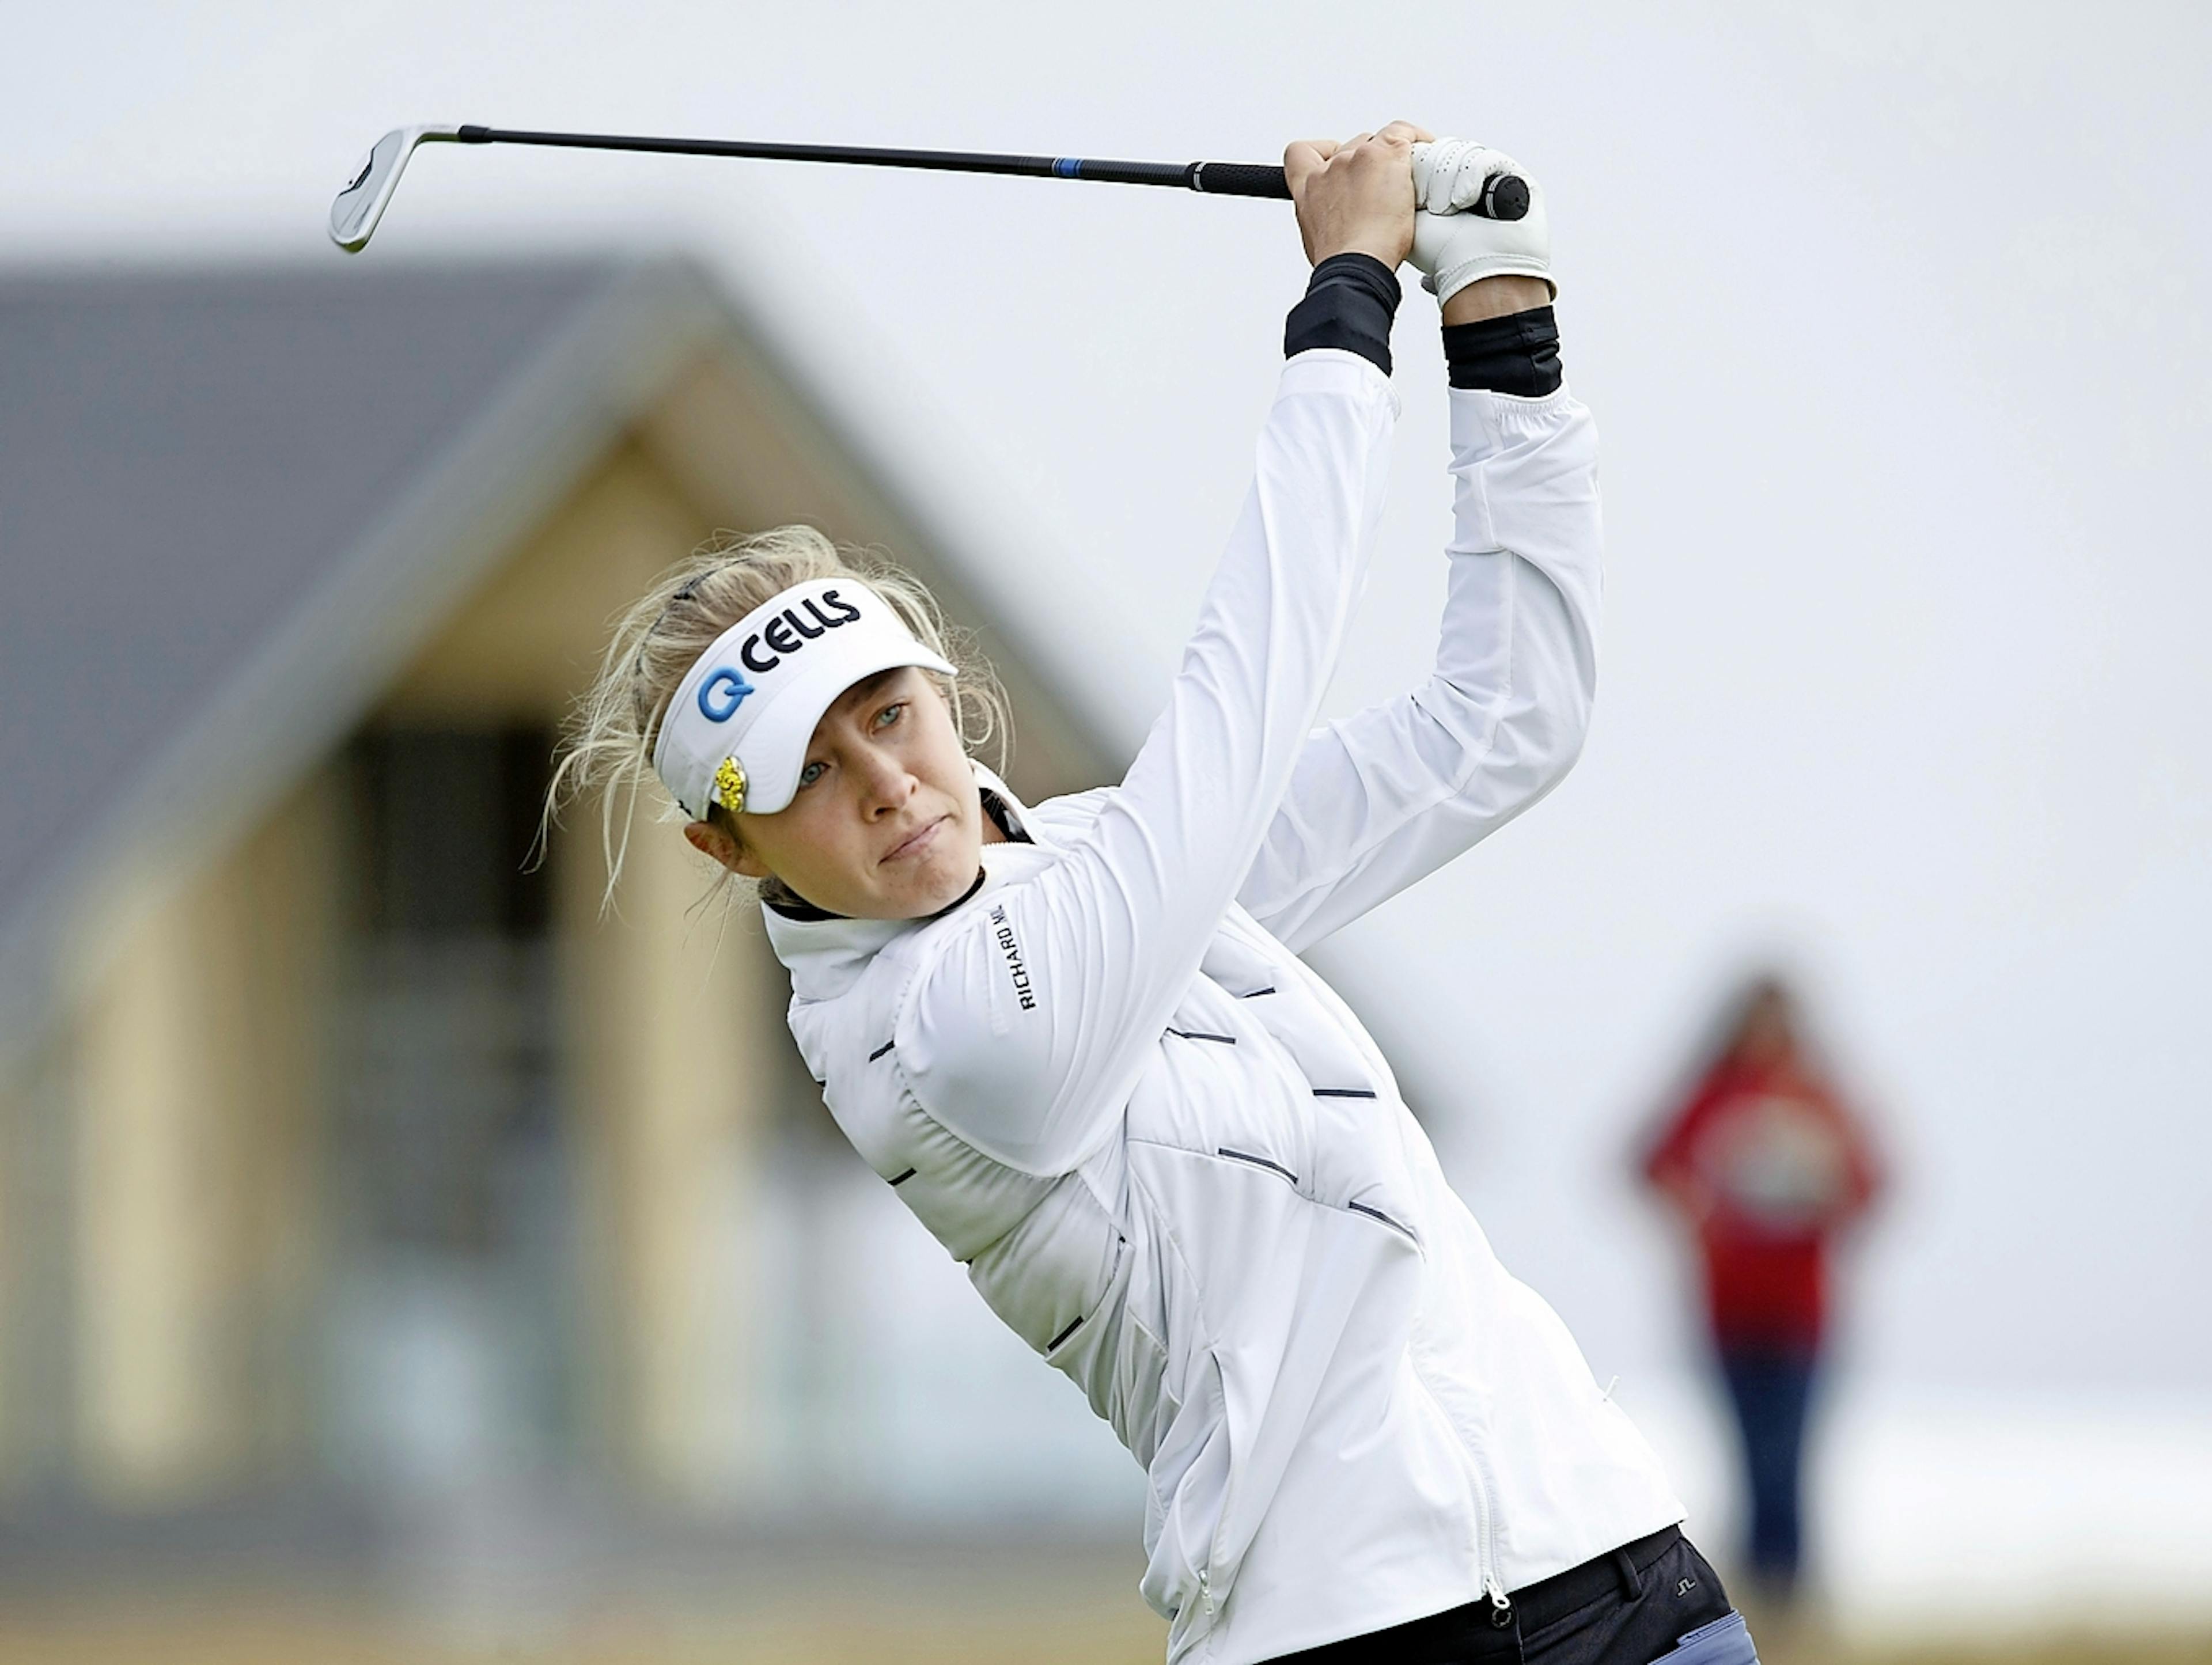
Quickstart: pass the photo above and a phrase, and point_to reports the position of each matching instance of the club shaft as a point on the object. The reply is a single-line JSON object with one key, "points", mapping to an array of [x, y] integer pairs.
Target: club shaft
{"points": [[1215, 178]]}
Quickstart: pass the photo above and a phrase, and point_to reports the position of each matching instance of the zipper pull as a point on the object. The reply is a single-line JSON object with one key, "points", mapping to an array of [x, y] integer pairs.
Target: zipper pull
{"points": [[1501, 1604]]}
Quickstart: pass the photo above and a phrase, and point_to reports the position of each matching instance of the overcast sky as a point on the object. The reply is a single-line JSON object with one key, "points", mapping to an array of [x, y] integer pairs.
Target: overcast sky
{"points": [[1896, 329]]}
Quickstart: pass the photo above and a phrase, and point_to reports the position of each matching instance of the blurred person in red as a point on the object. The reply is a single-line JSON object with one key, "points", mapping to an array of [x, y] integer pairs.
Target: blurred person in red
{"points": [[1766, 1165]]}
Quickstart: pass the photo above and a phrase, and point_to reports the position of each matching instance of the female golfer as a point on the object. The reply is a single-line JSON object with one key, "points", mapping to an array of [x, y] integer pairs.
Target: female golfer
{"points": [[1077, 1037]]}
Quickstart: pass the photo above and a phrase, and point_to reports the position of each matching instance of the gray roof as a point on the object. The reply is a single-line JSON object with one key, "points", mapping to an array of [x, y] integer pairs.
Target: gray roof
{"points": [[233, 502], [184, 459]]}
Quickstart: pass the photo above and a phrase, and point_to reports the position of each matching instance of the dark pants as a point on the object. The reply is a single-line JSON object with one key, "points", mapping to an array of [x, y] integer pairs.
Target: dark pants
{"points": [[1771, 1390], [1657, 1599]]}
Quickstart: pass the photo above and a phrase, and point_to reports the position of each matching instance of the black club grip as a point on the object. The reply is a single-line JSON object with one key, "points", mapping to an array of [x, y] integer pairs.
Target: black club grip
{"points": [[1237, 180], [1505, 198]]}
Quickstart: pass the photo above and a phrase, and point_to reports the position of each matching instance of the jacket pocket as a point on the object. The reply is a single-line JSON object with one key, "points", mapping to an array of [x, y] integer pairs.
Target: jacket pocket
{"points": [[1190, 1477], [1084, 1347]]}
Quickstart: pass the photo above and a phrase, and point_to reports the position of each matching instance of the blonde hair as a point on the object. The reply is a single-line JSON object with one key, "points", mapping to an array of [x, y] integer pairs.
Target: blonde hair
{"points": [[606, 747]]}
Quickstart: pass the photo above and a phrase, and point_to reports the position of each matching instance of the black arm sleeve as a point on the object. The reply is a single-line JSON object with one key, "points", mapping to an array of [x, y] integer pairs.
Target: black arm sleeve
{"points": [[1349, 303], [1516, 354]]}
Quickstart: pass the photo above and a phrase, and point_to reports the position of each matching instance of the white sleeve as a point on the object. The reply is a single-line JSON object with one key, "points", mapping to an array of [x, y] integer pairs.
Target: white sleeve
{"points": [[1027, 1031], [1386, 797]]}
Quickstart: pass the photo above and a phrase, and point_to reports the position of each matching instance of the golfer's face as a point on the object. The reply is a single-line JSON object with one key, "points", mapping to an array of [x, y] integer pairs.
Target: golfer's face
{"points": [[888, 823]]}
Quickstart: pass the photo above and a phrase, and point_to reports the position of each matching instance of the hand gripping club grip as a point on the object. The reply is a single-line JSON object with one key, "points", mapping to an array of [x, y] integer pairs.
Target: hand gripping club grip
{"points": [[1504, 197]]}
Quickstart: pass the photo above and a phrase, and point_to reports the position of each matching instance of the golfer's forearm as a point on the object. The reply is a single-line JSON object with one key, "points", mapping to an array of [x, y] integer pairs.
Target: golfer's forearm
{"points": [[1349, 304], [1517, 353], [1499, 334], [1494, 297]]}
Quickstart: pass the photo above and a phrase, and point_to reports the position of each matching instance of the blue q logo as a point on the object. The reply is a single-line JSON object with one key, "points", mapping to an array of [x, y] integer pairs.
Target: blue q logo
{"points": [[721, 694]]}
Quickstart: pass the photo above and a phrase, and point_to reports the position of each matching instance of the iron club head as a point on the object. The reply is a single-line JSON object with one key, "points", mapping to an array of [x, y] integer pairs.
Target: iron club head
{"points": [[357, 208]]}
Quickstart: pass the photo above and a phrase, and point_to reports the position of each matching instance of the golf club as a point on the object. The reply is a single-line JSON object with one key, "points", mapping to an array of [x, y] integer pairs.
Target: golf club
{"points": [[358, 207]]}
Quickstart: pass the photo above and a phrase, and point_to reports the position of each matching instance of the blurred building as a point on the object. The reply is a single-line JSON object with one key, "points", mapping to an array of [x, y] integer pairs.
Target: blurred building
{"points": [[340, 1151]]}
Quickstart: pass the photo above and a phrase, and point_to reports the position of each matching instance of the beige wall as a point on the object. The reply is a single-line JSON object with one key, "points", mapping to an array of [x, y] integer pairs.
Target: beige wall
{"points": [[676, 1018], [666, 1014], [201, 1075], [195, 1244]]}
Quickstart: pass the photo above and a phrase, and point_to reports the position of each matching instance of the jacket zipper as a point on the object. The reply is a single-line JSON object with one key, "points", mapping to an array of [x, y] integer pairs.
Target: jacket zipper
{"points": [[1485, 1547], [1501, 1604]]}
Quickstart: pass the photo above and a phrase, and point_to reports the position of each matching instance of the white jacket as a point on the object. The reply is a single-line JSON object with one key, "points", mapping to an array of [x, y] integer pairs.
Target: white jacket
{"points": [[1172, 1159]]}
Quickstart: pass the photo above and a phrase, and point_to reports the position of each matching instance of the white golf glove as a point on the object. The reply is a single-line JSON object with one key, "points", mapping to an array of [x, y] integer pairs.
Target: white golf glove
{"points": [[1453, 248]]}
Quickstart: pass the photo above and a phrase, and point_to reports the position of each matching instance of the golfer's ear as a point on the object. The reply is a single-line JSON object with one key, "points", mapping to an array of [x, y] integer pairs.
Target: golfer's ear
{"points": [[710, 840]]}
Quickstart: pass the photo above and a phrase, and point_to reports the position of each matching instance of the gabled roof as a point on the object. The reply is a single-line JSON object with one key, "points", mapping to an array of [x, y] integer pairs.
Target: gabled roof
{"points": [[183, 462], [233, 502]]}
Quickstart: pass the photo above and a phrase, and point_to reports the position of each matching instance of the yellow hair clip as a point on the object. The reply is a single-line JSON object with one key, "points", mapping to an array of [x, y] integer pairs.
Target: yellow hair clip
{"points": [[730, 785]]}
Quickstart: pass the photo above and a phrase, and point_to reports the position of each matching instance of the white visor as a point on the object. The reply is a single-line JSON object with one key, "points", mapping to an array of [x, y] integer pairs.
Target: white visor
{"points": [[739, 724]]}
